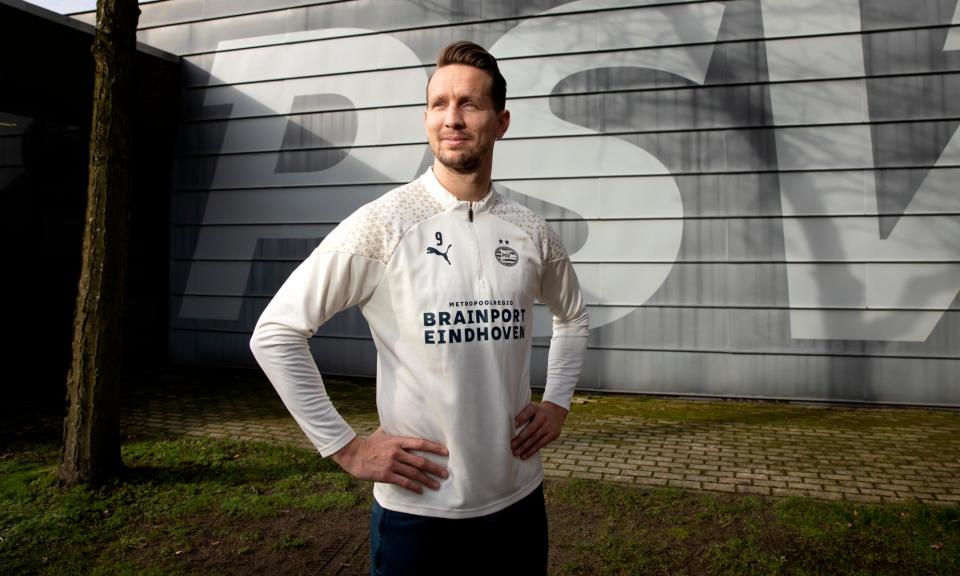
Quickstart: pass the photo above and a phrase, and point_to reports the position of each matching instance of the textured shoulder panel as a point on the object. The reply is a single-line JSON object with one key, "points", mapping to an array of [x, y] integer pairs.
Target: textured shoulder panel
{"points": [[542, 235], [375, 229]]}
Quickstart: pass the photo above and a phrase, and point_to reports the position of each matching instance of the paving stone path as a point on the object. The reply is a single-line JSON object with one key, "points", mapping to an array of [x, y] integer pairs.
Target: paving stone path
{"points": [[853, 453]]}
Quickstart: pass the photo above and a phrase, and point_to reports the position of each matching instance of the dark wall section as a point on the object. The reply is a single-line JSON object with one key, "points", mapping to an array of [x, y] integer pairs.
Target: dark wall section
{"points": [[45, 110]]}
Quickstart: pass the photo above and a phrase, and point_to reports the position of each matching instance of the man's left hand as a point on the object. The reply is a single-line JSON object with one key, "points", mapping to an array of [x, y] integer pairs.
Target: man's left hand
{"points": [[543, 423]]}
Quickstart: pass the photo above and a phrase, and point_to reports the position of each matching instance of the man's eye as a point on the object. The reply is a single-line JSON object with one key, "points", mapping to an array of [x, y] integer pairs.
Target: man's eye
{"points": [[438, 105], [470, 105]]}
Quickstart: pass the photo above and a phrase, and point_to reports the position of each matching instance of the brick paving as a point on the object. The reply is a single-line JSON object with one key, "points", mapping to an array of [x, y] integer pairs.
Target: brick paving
{"points": [[883, 463], [863, 454]]}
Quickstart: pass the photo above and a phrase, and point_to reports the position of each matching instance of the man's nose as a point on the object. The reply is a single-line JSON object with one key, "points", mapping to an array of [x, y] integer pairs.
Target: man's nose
{"points": [[453, 117]]}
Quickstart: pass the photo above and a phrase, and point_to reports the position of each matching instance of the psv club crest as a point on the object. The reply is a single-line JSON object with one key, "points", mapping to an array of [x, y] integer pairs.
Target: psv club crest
{"points": [[505, 254]]}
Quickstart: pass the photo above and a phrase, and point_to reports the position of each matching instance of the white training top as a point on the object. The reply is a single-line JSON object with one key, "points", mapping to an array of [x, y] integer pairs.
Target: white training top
{"points": [[447, 288]]}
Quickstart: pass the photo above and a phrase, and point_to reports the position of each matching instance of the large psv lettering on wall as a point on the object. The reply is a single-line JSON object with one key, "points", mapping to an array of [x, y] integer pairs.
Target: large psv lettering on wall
{"points": [[812, 185], [593, 154], [759, 196]]}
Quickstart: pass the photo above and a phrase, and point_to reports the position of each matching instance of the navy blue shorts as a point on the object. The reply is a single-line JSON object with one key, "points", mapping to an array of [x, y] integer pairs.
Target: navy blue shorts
{"points": [[510, 541]]}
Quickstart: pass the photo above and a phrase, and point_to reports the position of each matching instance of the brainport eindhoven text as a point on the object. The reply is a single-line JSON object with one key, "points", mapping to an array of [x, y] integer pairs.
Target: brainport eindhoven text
{"points": [[474, 325]]}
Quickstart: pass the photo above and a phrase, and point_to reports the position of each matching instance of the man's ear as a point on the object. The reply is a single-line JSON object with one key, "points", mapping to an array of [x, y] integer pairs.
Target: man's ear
{"points": [[503, 122]]}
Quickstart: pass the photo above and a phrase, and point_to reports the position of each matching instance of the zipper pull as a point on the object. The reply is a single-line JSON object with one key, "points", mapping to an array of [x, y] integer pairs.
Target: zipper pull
{"points": [[470, 212]]}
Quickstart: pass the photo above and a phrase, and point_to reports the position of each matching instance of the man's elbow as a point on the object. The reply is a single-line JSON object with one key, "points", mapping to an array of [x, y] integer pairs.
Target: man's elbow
{"points": [[271, 335], [260, 340], [256, 341], [580, 319], [575, 325], [583, 319]]}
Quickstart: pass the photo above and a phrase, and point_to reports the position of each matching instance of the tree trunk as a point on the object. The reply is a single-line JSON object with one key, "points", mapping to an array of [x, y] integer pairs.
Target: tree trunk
{"points": [[91, 428]]}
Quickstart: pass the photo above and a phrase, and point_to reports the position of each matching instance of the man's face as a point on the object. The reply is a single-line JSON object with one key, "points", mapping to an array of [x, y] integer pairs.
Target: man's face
{"points": [[461, 122]]}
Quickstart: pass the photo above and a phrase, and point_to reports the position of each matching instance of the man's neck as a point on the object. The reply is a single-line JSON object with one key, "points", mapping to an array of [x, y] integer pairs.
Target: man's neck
{"points": [[470, 187]]}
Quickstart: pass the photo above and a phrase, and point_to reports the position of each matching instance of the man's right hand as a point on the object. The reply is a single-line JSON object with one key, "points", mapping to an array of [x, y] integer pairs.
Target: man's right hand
{"points": [[382, 457]]}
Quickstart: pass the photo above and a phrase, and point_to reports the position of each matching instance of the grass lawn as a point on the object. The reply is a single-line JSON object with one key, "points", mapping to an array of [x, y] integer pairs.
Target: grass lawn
{"points": [[204, 506]]}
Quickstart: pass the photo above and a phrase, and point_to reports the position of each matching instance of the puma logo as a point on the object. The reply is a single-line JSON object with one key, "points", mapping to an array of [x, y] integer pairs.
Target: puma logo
{"points": [[432, 250]]}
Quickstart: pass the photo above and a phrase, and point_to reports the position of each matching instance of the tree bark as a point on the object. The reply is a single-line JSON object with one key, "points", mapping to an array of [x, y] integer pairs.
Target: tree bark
{"points": [[91, 428]]}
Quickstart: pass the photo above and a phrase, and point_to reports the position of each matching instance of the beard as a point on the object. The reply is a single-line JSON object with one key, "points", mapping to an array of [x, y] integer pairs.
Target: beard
{"points": [[463, 161]]}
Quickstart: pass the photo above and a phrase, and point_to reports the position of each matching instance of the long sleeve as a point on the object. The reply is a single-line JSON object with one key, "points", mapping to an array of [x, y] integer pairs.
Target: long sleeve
{"points": [[324, 284], [560, 291]]}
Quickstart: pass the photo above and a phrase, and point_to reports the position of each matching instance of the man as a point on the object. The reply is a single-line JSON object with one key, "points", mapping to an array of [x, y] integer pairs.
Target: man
{"points": [[445, 271]]}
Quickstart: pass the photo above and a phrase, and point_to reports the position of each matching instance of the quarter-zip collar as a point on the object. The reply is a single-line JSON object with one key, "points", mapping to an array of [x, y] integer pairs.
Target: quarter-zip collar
{"points": [[451, 202]]}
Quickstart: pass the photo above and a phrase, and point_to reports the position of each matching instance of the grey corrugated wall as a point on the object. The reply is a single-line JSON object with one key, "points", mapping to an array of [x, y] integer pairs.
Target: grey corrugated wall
{"points": [[760, 196]]}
